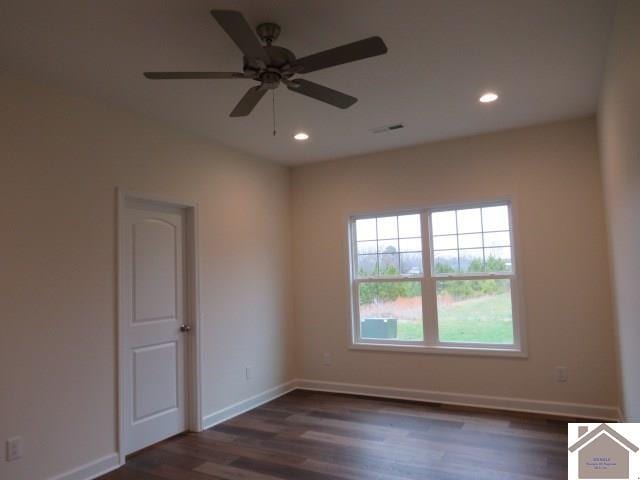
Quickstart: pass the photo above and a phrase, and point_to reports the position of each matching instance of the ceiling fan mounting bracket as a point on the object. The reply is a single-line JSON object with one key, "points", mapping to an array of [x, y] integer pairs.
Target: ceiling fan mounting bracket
{"points": [[268, 32]]}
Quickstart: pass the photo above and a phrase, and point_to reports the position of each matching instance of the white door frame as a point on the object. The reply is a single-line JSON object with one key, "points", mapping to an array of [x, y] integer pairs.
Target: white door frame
{"points": [[193, 377]]}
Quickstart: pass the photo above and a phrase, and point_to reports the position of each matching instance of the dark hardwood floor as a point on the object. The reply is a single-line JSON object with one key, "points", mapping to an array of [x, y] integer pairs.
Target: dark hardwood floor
{"points": [[319, 436]]}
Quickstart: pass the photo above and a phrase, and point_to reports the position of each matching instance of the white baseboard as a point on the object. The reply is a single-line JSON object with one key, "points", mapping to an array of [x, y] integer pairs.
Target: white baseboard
{"points": [[91, 470], [247, 404], [103, 465], [110, 462], [578, 410]]}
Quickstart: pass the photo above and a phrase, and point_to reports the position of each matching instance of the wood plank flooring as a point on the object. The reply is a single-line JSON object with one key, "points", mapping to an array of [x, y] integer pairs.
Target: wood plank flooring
{"points": [[319, 436]]}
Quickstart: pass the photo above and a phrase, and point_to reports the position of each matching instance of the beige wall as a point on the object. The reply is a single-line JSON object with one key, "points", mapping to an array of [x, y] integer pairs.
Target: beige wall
{"points": [[552, 174], [620, 144], [61, 159]]}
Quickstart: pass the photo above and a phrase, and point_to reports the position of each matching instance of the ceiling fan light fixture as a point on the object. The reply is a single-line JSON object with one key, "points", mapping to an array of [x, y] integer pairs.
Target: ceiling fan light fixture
{"points": [[488, 97], [301, 136]]}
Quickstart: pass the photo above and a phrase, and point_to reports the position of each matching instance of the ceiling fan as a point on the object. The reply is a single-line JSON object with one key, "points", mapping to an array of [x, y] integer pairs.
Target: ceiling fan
{"points": [[271, 65]]}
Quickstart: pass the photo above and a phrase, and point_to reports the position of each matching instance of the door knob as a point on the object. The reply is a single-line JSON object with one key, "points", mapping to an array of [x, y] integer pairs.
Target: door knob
{"points": [[185, 328]]}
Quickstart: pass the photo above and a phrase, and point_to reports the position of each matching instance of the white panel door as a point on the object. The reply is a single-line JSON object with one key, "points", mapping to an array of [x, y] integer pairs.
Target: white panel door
{"points": [[154, 342]]}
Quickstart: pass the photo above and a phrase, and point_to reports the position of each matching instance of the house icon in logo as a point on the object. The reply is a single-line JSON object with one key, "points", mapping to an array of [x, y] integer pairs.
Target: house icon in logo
{"points": [[603, 453]]}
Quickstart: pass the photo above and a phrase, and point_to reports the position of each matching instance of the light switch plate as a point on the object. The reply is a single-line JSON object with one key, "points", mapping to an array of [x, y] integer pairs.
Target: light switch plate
{"points": [[326, 359], [14, 449], [562, 375]]}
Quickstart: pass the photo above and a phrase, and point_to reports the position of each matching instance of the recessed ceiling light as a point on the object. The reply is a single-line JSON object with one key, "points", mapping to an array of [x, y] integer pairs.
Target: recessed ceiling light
{"points": [[301, 136], [488, 97]]}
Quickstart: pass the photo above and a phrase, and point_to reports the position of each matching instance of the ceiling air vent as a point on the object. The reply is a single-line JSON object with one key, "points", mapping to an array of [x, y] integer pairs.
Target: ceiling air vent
{"points": [[387, 128]]}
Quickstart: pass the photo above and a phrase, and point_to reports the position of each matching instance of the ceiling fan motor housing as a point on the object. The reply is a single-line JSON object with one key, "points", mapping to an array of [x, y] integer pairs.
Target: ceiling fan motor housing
{"points": [[280, 59]]}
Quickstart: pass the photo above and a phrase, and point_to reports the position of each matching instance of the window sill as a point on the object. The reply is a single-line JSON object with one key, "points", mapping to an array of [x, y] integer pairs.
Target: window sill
{"points": [[513, 352]]}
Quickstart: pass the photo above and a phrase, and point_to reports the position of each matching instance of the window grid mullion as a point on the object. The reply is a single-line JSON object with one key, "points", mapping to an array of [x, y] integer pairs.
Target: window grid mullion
{"points": [[457, 239], [398, 243], [484, 260], [389, 279], [355, 293], [429, 316], [377, 270]]}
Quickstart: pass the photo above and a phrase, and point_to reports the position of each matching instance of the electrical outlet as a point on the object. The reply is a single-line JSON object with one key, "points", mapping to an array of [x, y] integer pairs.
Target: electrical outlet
{"points": [[14, 449], [248, 373], [326, 359], [562, 375]]}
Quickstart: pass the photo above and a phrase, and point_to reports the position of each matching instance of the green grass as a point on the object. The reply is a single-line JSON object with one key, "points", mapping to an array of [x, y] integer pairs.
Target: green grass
{"points": [[485, 320], [482, 320], [409, 330]]}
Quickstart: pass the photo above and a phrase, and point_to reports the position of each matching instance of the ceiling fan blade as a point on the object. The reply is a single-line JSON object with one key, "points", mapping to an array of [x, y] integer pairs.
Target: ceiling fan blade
{"points": [[241, 33], [322, 93], [369, 47], [248, 102], [192, 75]]}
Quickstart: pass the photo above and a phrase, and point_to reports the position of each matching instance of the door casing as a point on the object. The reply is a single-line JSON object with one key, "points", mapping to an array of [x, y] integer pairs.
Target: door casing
{"points": [[193, 377]]}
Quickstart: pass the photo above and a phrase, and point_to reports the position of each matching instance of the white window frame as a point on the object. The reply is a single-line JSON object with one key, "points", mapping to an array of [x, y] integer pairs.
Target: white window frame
{"points": [[431, 342]]}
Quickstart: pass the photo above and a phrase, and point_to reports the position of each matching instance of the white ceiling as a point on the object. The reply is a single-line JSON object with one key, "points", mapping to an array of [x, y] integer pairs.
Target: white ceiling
{"points": [[544, 57]]}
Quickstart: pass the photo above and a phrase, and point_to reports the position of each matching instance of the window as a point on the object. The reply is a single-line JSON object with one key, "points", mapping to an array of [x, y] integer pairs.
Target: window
{"points": [[389, 269], [441, 280]]}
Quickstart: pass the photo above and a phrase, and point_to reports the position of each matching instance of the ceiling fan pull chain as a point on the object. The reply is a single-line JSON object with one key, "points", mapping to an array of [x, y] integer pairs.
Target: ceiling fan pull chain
{"points": [[273, 104]]}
